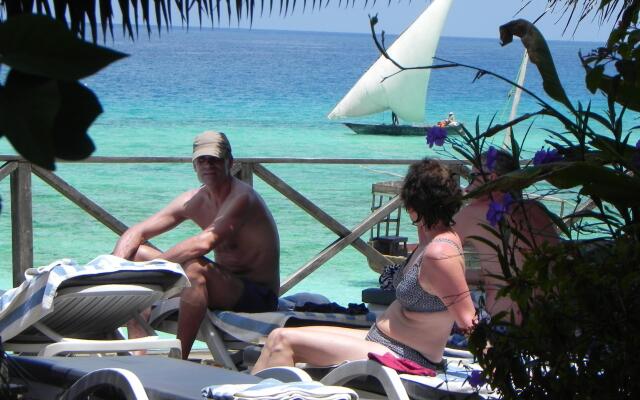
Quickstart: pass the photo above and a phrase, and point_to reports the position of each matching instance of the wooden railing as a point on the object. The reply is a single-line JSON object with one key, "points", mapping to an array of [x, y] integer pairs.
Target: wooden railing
{"points": [[245, 169]]}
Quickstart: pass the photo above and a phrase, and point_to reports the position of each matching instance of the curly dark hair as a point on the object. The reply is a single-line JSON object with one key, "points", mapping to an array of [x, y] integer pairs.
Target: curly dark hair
{"points": [[432, 191]]}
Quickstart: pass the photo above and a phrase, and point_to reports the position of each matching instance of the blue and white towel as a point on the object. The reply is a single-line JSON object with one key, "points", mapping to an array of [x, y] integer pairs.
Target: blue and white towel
{"points": [[460, 376], [274, 389], [21, 307]]}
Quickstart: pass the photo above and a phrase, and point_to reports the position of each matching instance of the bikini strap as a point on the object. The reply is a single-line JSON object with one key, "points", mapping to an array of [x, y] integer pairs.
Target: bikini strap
{"points": [[406, 260], [451, 242]]}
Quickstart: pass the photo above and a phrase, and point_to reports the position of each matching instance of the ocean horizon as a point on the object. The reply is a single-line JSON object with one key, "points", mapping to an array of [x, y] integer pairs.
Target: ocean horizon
{"points": [[155, 35], [270, 91]]}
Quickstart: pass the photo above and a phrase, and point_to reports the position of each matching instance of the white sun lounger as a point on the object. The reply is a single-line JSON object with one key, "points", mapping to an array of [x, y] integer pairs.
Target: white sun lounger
{"points": [[371, 376], [69, 308], [226, 331], [137, 377]]}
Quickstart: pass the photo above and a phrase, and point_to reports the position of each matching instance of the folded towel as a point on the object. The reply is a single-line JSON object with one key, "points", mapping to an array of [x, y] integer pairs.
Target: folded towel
{"points": [[21, 307], [273, 389], [401, 364], [288, 303], [351, 309]]}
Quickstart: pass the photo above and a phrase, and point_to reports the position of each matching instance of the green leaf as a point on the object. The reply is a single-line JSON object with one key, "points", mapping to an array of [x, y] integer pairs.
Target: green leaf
{"points": [[593, 179], [500, 127], [593, 78], [634, 37], [491, 243], [621, 91], [612, 151], [624, 49], [42, 46], [512, 181], [79, 107], [539, 55], [599, 181], [559, 222], [29, 105]]}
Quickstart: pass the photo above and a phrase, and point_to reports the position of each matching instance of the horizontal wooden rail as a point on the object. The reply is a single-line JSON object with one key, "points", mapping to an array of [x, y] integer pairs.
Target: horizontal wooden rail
{"points": [[248, 160], [243, 168]]}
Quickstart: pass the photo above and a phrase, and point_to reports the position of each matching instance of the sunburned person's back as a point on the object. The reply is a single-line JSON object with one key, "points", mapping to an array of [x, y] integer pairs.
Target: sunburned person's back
{"points": [[531, 220], [418, 307], [528, 217]]}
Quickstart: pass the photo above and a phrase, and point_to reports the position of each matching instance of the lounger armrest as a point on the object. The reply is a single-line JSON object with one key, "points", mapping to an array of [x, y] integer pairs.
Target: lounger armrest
{"points": [[119, 378], [285, 374], [109, 346], [388, 378]]}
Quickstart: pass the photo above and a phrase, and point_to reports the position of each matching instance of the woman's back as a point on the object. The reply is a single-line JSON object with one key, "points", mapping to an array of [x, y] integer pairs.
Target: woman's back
{"points": [[420, 318]]}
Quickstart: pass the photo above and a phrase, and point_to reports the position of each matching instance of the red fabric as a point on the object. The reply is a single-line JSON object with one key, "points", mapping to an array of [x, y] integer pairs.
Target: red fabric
{"points": [[401, 364]]}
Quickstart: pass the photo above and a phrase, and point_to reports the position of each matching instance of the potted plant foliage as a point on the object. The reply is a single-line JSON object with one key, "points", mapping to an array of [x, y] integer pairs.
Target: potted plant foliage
{"points": [[579, 300]]}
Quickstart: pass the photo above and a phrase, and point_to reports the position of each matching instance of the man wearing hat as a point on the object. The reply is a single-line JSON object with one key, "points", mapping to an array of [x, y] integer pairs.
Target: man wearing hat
{"points": [[236, 225]]}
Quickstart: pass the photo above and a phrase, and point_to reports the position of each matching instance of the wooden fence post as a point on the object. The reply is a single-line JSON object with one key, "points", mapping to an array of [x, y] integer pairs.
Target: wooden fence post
{"points": [[246, 173], [21, 221], [243, 170]]}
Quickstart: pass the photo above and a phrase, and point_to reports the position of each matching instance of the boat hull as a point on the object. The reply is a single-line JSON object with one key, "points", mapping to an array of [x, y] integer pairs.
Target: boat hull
{"points": [[395, 130]]}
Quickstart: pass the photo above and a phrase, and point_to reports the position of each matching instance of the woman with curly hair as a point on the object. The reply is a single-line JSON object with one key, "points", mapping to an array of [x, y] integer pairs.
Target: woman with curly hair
{"points": [[431, 290]]}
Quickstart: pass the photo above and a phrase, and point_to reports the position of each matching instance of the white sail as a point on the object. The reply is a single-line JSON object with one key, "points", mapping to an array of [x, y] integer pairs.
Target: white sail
{"points": [[403, 93]]}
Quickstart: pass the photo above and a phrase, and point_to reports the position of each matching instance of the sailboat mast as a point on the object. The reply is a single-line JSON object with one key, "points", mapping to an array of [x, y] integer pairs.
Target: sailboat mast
{"points": [[522, 71]]}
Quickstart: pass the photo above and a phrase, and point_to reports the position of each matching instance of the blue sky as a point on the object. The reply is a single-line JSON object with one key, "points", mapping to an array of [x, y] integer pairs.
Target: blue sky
{"points": [[467, 18]]}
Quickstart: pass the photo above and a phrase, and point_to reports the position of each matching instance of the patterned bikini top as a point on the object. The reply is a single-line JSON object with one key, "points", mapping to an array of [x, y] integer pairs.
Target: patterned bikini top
{"points": [[408, 290]]}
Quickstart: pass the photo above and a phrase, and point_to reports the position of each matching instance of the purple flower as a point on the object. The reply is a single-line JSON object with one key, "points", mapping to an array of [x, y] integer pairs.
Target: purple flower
{"points": [[476, 378], [543, 156], [492, 156], [497, 210], [436, 135]]}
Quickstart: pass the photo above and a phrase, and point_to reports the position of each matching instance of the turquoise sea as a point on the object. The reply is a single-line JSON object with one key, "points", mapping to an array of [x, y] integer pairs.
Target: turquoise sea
{"points": [[270, 91]]}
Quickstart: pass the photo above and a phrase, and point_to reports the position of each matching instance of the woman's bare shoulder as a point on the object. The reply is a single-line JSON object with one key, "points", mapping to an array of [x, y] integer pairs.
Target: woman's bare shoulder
{"points": [[443, 248]]}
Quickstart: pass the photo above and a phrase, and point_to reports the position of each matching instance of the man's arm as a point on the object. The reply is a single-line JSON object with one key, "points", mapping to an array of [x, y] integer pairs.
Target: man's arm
{"points": [[164, 220], [230, 218]]}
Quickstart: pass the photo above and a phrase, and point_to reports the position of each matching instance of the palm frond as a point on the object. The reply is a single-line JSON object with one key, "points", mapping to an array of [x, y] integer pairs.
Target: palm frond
{"points": [[81, 11], [577, 11]]}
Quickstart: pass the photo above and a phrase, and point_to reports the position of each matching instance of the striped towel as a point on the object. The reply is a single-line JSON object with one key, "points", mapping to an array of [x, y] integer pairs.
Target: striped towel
{"points": [[274, 389], [460, 377], [255, 327], [21, 307]]}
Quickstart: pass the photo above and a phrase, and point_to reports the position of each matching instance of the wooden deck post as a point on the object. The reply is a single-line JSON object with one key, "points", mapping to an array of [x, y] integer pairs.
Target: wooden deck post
{"points": [[21, 221], [246, 173]]}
